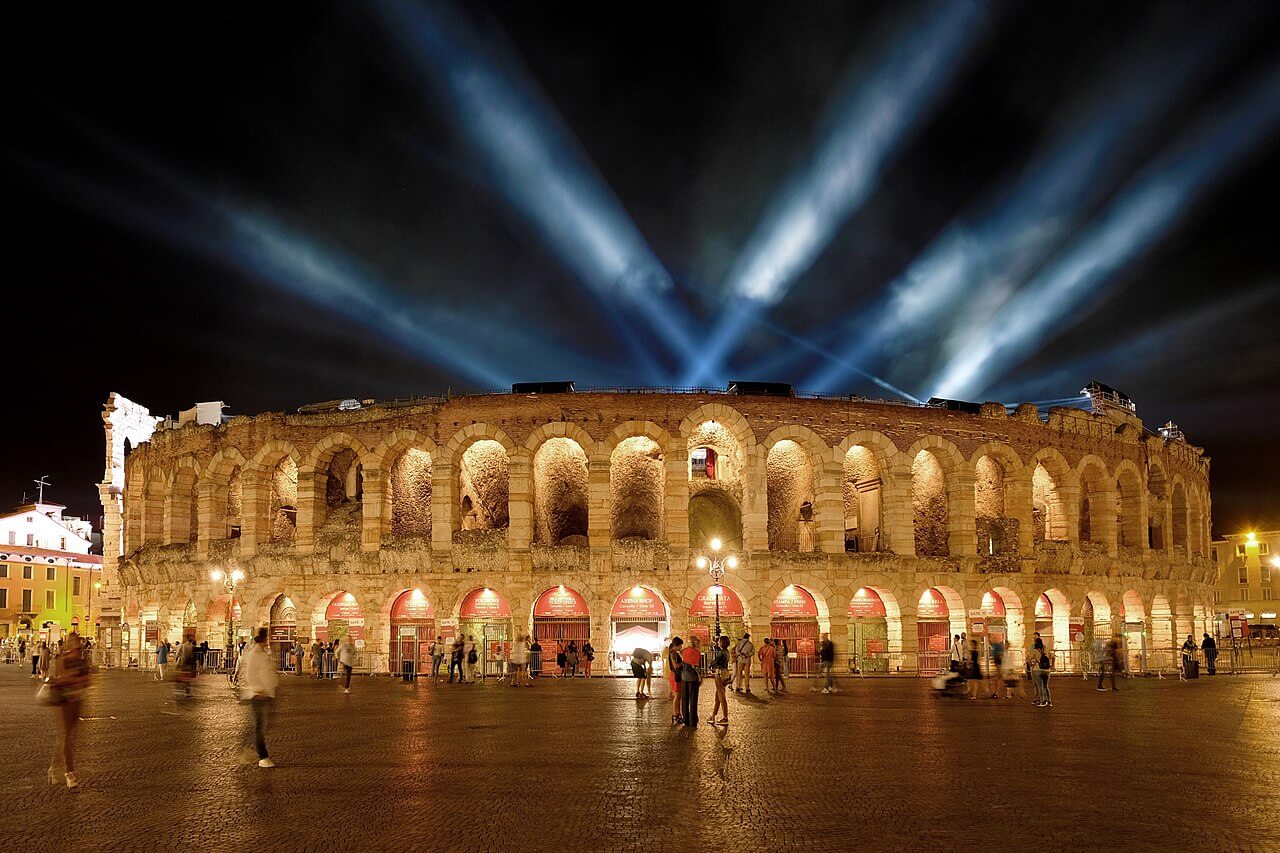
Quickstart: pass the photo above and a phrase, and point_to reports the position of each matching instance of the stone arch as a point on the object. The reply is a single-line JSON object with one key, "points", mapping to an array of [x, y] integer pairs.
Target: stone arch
{"points": [[1131, 531], [1134, 609], [272, 487], [333, 473], [479, 459], [1097, 505], [405, 458], [184, 503], [866, 458], [884, 588], [1164, 628], [822, 594], [646, 429], [222, 485], [637, 487], [1059, 622], [1157, 505], [731, 418], [153, 507], [1095, 608], [714, 512], [1050, 474], [561, 493], [1015, 611], [935, 464], [1179, 511], [793, 468], [997, 474]]}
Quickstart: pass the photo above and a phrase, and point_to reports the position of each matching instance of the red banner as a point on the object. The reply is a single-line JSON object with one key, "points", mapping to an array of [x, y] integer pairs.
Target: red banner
{"points": [[704, 604], [932, 606], [866, 604], [639, 604], [343, 606], [560, 603], [484, 604], [992, 603], [412, 606], [794, 603]]}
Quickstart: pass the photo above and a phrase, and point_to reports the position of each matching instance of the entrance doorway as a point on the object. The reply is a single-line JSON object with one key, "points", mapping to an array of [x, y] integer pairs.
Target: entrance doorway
{"points": [[702, 615], [413, 630], [484, 615], [560, 616], [283, 630], [933, 633], [868, 632], [793, 621], [638, 620]]}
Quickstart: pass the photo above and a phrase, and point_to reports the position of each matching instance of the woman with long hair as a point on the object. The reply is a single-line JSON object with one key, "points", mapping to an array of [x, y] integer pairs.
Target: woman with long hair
{"points": [[67, 679], [720, 671], [673, 664]]}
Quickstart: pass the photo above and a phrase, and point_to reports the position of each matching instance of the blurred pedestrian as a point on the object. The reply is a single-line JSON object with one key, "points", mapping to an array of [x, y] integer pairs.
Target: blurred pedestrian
{"points": [[674, 663], [690, 681], [257, 678], [744, 657], [162, 658], [298, 653], [1109, 664], [317, 658], [202, 652], [346, 660], [517, 663], [996, 673], [957, 654], [768, 655], [720, 672], [784, 659], [36, 653], [571, 658], [974, 669], [827, 664], [1210, 649], [437, 658], [456, 653], [22, 652], [781, 665], [473, 658], [642, 669], [186, 668], [588, 655], [68, 676], [535, 659], [562, 658]]}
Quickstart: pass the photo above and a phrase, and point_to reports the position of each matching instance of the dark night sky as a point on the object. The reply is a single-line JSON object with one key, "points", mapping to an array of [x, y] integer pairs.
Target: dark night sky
{"points": [[693, 115]]}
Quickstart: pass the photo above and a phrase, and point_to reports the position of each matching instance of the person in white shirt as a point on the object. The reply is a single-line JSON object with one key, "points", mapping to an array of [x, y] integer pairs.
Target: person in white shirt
{"points": [[437, 657], [257, 679], [347, 660], [519, 662]]}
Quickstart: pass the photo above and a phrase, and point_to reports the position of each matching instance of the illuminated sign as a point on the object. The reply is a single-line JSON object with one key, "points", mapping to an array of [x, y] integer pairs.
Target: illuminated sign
{"points": [[344, 606], [866, 604], [412, 606], [704, 604], [560, 603], [932, 606], [639, 604], [484, 604], [794, 603]]}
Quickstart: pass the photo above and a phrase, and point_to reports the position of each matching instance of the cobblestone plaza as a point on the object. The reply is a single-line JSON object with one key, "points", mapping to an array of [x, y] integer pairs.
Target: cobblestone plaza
{"points": [[582, 766]]}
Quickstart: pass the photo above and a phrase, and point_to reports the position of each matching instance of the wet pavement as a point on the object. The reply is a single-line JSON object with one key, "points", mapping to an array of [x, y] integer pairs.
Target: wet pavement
{"points": [[582, 766]]}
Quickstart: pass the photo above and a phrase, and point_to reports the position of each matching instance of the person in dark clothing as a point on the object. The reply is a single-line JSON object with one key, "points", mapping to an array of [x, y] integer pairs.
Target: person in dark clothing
{"points": [[1210, 649], [1110, 663], [455, 659]]}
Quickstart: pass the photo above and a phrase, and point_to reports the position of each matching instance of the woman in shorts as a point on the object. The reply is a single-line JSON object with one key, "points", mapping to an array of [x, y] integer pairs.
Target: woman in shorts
{"points": [[720, 669], [673, 663]]}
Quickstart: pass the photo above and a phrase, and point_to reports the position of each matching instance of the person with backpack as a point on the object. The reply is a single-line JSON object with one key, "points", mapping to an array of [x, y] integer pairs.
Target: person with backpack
{"points": [[690, 681], [473, 658], [744, 653], [1041, 665], [457, 653]]}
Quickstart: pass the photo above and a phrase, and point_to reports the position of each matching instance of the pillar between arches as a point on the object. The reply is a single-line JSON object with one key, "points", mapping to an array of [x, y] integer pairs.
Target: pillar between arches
{"points": [[372, 507], [520, 500], [599, 504], [443, 499], [304, 534], [897, 522], [755, 512], [828, 508], [206, 498], [962, 537], [675, 519], [1018, 496]]}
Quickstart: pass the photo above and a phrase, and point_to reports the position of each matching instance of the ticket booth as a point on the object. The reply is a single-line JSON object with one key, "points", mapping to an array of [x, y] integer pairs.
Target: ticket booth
{"points": [[413, 629], [933, 633], [560, 616], [868, 632], [793, 619], [485, 616], [282, 630], [702, 615], [638, 620]]}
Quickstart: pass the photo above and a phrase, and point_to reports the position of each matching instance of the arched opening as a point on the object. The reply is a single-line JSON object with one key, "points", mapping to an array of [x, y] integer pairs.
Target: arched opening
{"points": [[1044, 621], [413, 629], [868, 631], [714, 514], [1048, 518], [190, 622], [343, 482], [1134, 637], [637, 478], [1157, 507], [997, 533], [720, 600], [560, 617], [793, 622], [224, 619], [863, 496], [282, 629], [560, 493], [483, 616], [638, 620], [153, 511], [934, 630], [789, 496], [929, 501], [1001, 617], [484, 487], [184, 506], [1129, 509], [1178, 504], [1093, 505], [341, 617], [411, 494], [283, 507], [714, 454]]}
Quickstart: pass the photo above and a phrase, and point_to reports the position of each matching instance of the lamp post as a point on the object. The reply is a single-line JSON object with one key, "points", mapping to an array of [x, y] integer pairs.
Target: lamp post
{"points": [[228, 581], [715, 566]]}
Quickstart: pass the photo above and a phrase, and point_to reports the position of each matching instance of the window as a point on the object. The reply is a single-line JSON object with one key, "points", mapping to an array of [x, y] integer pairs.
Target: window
{"points": [[1217, 597], [4, 571], [27, 573], [1264, 548], [1266, 593], [63, 545], [4, 599], [75, 586], [1244, 574], [26, 601], [1215, 553], [13, 537], [48, 599], [1266, 574], [31, 539], [28, 519], [51, 573], [1240, 550]]}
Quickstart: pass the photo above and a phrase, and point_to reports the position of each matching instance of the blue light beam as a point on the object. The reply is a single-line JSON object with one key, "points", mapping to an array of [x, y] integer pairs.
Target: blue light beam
{"points": [[1145, 211], [874, 112]]}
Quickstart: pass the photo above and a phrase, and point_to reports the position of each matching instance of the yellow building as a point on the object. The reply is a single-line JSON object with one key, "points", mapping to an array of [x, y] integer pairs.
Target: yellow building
{"points": [[44, 593], [1248, 576]]}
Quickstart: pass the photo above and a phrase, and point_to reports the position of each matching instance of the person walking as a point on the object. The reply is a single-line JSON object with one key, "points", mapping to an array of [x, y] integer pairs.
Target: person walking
{"points": [[562, 658], [535, 659], [571, 658], [317, 658], [827, 664], [690, 681], [1109, 664], [588, 655], [768, 655], [1210, 649], [973, 669], [517, 664], [720, 672], [642, 669], [473, 659], [162, 658], [36, 652], [67, 679], [744, 654], [437, 657], [784, 659], [781, 666], [187, 661], [995, 689], [346, 660], [674, 664], [1044, 698], [456, 653], [957, 653], [257, 677]]}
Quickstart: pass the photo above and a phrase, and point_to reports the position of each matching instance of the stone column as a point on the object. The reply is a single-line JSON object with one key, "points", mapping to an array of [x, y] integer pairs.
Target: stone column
{"points": [[962, 536], [311, 508], [1069, 500], [675, 498], [254, 527], [520, 508], [755, 511], [828, 506], [372, 507], [1018, 505], [1102, 520], [210, 519], [599, 502], [897, 521], [444, 500], [910, 641]]}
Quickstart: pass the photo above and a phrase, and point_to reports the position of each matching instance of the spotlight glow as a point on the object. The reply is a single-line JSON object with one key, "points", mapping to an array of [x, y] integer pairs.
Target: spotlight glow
{"points": [[1143, 213]]}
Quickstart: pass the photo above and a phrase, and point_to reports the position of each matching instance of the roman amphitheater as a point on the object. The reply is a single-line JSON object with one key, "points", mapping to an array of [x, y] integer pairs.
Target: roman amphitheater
{"points": [[582, 515]]}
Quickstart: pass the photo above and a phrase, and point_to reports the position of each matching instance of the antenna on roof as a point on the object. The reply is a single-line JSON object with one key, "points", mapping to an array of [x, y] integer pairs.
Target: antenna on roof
{"points": [[40, 484]]}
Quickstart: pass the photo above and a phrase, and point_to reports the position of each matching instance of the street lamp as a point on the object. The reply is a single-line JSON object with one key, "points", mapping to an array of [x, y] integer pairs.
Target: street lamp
{"points": [[715, 566], [228, 581]]}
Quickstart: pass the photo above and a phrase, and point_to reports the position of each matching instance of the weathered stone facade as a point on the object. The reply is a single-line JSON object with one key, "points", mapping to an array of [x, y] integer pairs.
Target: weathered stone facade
{"points": [[599, 492]]}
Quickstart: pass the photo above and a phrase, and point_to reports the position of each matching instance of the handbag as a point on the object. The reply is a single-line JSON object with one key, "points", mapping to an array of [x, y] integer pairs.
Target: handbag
{"points": [[690, 674], [47, 694]]}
